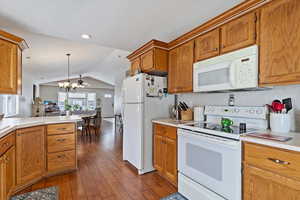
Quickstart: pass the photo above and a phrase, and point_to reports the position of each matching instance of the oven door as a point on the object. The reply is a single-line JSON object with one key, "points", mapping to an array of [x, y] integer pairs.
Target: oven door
{"points": [[211, 161]]}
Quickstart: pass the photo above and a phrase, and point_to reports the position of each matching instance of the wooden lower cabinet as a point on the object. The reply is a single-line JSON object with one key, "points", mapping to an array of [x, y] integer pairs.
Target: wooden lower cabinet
{"points": [[260, 184], [270, 173], [165, 152], [31, 163], [7, 168], [159, 152]]}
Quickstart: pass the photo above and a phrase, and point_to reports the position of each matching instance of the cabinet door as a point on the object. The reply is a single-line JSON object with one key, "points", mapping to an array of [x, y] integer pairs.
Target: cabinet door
{"points": [[10, 170], [238, 33], [171, 160], [280, 43], [135, 65], [159, 152], [264, 185], [147, 61], [207, 45], [8, 66], [173, 70], [30, 154], [2, 178], [185, 68]]}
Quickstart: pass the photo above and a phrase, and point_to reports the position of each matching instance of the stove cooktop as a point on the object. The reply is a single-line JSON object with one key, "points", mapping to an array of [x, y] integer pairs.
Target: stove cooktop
{"points": [[216, 127]]}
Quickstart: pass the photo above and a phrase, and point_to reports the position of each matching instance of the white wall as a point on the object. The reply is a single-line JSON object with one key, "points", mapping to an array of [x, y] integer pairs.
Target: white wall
{"points": [[27, 94], [250, 98], [118, 96], [50, 93]]}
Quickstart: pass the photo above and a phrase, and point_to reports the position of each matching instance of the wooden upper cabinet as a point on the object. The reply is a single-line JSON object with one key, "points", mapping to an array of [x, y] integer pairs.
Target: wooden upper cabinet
{"points": [[153, 58], [186, 60], [9, 67], [239, 33], [11, 48], [207, 45], [180, 73], [147, 61], [280, 43], [173, 71], [135, 66], [30, 155]]}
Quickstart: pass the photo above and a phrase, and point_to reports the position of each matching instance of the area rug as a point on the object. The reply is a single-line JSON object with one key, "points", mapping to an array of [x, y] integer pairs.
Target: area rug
{"points": [[175, 196], [50, 193]]}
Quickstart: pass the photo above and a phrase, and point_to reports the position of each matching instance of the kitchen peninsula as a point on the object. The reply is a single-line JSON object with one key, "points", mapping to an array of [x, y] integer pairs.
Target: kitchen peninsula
{"points": [[34, 148]]}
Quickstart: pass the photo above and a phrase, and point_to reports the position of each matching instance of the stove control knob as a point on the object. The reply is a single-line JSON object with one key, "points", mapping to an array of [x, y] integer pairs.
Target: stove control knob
{"points": [[251, 111], [236, 110]]}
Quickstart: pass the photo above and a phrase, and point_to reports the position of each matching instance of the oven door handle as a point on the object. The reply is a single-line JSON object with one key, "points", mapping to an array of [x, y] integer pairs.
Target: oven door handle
{"points": [[233, 144]]}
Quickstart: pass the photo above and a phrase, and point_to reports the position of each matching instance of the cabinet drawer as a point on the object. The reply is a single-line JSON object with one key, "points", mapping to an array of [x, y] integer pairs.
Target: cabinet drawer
{"points": [[164, 130], [280, 161], [160, 129], [7, 142], [64, 142], [61, 160], [55, 129]]}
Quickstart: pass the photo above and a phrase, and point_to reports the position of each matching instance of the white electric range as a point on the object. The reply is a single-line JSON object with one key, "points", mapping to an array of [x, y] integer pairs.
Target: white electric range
{"points": [[210, 156]]}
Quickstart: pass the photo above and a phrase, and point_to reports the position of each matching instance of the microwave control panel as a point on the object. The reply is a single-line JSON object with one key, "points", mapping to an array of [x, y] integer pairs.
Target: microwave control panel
{"points": [[246, 72]]}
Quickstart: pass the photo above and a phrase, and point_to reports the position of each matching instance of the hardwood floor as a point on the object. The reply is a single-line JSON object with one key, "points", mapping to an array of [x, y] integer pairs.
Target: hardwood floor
{"points": [[103, 175]]}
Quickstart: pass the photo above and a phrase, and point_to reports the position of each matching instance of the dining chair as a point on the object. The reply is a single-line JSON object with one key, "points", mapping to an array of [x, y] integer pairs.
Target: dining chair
{"points": [[96, 122]]}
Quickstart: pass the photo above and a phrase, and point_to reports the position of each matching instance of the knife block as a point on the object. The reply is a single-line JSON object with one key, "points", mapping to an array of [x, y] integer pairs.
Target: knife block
{"points": [[186, 115]]}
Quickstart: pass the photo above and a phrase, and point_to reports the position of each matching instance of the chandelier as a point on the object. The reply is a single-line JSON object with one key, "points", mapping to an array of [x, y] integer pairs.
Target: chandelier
{"points": [[68, 85]]}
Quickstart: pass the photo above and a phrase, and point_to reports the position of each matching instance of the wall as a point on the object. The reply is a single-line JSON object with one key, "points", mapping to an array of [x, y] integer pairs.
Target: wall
{"points": [[250, 98], [50, 93], [118, 94], [27, 94]]}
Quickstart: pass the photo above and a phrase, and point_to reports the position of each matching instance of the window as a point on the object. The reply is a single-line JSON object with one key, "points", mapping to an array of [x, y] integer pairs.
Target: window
{"points": [[107, 96], [78, 100], [9, 105]]}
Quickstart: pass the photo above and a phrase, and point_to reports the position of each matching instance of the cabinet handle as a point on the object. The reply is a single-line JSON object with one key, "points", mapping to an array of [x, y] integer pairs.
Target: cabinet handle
{"points": [[61, 129], [277, 161], [61, 140], [60, 156], [216, 49]]}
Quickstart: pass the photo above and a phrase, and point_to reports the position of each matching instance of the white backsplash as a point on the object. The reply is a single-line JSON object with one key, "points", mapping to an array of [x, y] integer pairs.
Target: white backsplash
{"points": [[250, 98]]}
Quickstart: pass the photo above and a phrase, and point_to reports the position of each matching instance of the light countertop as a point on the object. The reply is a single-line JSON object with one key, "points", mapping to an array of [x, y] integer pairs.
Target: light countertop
{"points": [[293, 144], [171, 122], [10, 124]]}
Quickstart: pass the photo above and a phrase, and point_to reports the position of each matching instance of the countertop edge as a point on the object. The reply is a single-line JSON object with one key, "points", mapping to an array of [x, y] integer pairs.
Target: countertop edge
{"points": [[12, 128], [164, 123], [270, 143]]}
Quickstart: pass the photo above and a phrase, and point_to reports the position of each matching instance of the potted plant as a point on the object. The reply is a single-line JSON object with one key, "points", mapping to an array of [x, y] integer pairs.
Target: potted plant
{"points": [[67, 108]]}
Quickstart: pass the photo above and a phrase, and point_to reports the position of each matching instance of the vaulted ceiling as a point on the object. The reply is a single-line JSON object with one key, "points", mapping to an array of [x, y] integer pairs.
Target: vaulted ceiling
{"points": [[53, 28]]}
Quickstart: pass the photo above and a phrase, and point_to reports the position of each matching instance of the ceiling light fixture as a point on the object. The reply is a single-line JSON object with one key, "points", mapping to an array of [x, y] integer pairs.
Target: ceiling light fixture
{"points": [[67, 85], [86, 36]]}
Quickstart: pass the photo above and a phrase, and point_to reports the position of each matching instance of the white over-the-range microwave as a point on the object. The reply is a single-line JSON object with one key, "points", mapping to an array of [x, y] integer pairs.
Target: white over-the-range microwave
{"points": [[232, 71]]}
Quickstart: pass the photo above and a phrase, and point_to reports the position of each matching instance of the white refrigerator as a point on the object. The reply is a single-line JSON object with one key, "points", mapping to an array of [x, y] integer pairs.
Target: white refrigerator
{"points": [[143, 101]]}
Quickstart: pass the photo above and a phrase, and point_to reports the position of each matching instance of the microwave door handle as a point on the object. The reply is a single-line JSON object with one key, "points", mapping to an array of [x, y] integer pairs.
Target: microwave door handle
{"points": [[232, 77]]}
